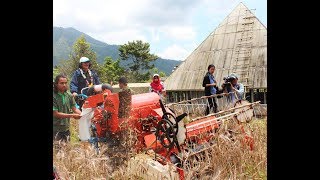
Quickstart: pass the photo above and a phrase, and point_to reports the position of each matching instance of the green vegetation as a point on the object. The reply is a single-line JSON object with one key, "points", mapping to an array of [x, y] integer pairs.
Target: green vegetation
{"points": [[139, 53], [64, 39], [112, 71], [80, 48]]}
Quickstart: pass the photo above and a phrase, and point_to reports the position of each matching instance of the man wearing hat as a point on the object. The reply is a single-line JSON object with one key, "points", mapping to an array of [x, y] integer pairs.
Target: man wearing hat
{"points": [[235, 87], [83, 77]]}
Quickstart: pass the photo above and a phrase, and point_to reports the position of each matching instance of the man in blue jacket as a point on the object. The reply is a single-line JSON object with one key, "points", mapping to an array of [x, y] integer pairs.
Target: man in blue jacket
{"points": [[83, 77]]}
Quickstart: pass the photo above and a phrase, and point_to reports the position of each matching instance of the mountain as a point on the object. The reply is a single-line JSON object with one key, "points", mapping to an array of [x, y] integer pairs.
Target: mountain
{"points": [[64, 38]]}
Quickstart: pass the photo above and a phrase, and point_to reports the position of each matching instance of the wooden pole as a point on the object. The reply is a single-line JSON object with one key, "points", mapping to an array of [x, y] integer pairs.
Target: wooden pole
{"points": [[252, 98], [264, 97]]}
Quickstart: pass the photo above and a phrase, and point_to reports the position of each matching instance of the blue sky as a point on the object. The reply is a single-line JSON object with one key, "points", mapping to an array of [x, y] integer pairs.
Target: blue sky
{"points": [[173, 28]]}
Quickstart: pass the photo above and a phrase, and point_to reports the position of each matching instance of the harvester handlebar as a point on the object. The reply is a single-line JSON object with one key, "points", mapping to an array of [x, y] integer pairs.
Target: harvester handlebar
{"points": [[82, 96]]}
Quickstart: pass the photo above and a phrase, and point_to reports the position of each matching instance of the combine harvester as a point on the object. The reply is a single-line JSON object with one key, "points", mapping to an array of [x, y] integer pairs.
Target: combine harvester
{"points": [[170, 139]]}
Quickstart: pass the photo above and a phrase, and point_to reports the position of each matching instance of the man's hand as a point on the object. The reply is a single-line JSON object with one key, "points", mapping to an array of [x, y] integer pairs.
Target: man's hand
{"points": [[76, 116], [74, 94], [232, 87]]}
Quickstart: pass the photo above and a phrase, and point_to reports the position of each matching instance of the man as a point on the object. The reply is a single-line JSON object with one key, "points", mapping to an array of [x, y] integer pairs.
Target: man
{"points": [[210, 88], [64, 108], [125, 99], [235, 87], [83, 77]]}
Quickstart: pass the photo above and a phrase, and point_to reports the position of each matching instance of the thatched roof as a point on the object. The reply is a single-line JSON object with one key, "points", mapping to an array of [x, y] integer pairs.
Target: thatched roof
{"points": [[238, 45]]}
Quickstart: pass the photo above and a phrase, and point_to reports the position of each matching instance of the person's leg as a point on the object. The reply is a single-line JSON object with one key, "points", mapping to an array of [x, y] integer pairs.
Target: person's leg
{"points": [[210, 101], [215, 106], [62, 135]]}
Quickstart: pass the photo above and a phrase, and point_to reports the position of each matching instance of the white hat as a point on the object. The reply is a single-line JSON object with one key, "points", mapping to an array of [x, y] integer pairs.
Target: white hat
{"points": [[156, 75], [84, 59]]}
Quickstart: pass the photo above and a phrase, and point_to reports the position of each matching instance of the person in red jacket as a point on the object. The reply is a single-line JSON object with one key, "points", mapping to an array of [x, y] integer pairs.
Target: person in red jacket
{"points": [[157, 86]]}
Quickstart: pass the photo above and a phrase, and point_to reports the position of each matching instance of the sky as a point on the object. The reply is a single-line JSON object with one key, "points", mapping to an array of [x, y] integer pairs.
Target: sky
{"points": [[173, 28]]}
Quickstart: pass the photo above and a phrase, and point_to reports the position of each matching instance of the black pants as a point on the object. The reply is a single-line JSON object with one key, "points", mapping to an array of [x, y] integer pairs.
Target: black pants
{"points": [[212, 104], [61, 135]]}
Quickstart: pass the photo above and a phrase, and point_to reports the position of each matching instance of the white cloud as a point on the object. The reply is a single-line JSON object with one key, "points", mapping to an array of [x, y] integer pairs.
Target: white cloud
{"points": [[95, 14], [120, 37], [158, 22], [174, 52], [180, 32], [155, 34]]}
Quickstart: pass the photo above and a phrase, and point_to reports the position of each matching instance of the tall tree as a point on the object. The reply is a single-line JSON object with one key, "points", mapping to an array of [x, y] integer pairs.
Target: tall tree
{"points": [[112, 70], [138, 53], [80, 48], [55, 72], [162, 74]]}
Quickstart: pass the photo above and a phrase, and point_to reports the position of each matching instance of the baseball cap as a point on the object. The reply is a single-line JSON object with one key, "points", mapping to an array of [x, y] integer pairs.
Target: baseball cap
{"points": [[233, 75]]}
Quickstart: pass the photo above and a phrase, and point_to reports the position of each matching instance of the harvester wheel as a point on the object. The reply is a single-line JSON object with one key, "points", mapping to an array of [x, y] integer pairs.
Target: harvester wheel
{"points": [[170, 117], [166, 132]]}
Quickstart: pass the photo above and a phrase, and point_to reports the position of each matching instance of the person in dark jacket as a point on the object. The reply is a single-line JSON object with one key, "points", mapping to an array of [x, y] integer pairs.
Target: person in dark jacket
{"points": [[125, 98], [83, 77], [210, 88]]}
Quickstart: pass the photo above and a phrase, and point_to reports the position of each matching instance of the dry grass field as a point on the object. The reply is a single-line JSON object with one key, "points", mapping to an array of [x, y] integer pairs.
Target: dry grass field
{"points": [[227, 159]]}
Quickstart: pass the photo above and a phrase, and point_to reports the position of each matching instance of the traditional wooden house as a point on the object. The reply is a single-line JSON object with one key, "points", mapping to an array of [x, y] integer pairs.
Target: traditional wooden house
{"points": [[238, 45]]}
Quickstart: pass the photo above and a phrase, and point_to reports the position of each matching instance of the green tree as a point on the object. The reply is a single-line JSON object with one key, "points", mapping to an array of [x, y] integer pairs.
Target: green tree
{"points": [[139, 53], [80, 48], [156, 71], [162, 74], [111, 70], [55, 72]]}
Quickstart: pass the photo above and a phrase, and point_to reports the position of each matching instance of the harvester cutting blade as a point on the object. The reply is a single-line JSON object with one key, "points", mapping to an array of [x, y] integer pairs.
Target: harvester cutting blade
{"points": [[245, 113], [181, 136]]}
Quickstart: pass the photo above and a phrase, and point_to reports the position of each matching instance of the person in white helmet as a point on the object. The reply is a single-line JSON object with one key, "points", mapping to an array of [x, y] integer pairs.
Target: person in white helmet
{"points": [[83, 77]]}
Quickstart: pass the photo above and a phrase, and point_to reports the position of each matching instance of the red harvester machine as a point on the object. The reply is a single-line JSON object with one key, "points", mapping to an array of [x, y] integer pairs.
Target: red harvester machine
{"points": [[160, 130]]}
